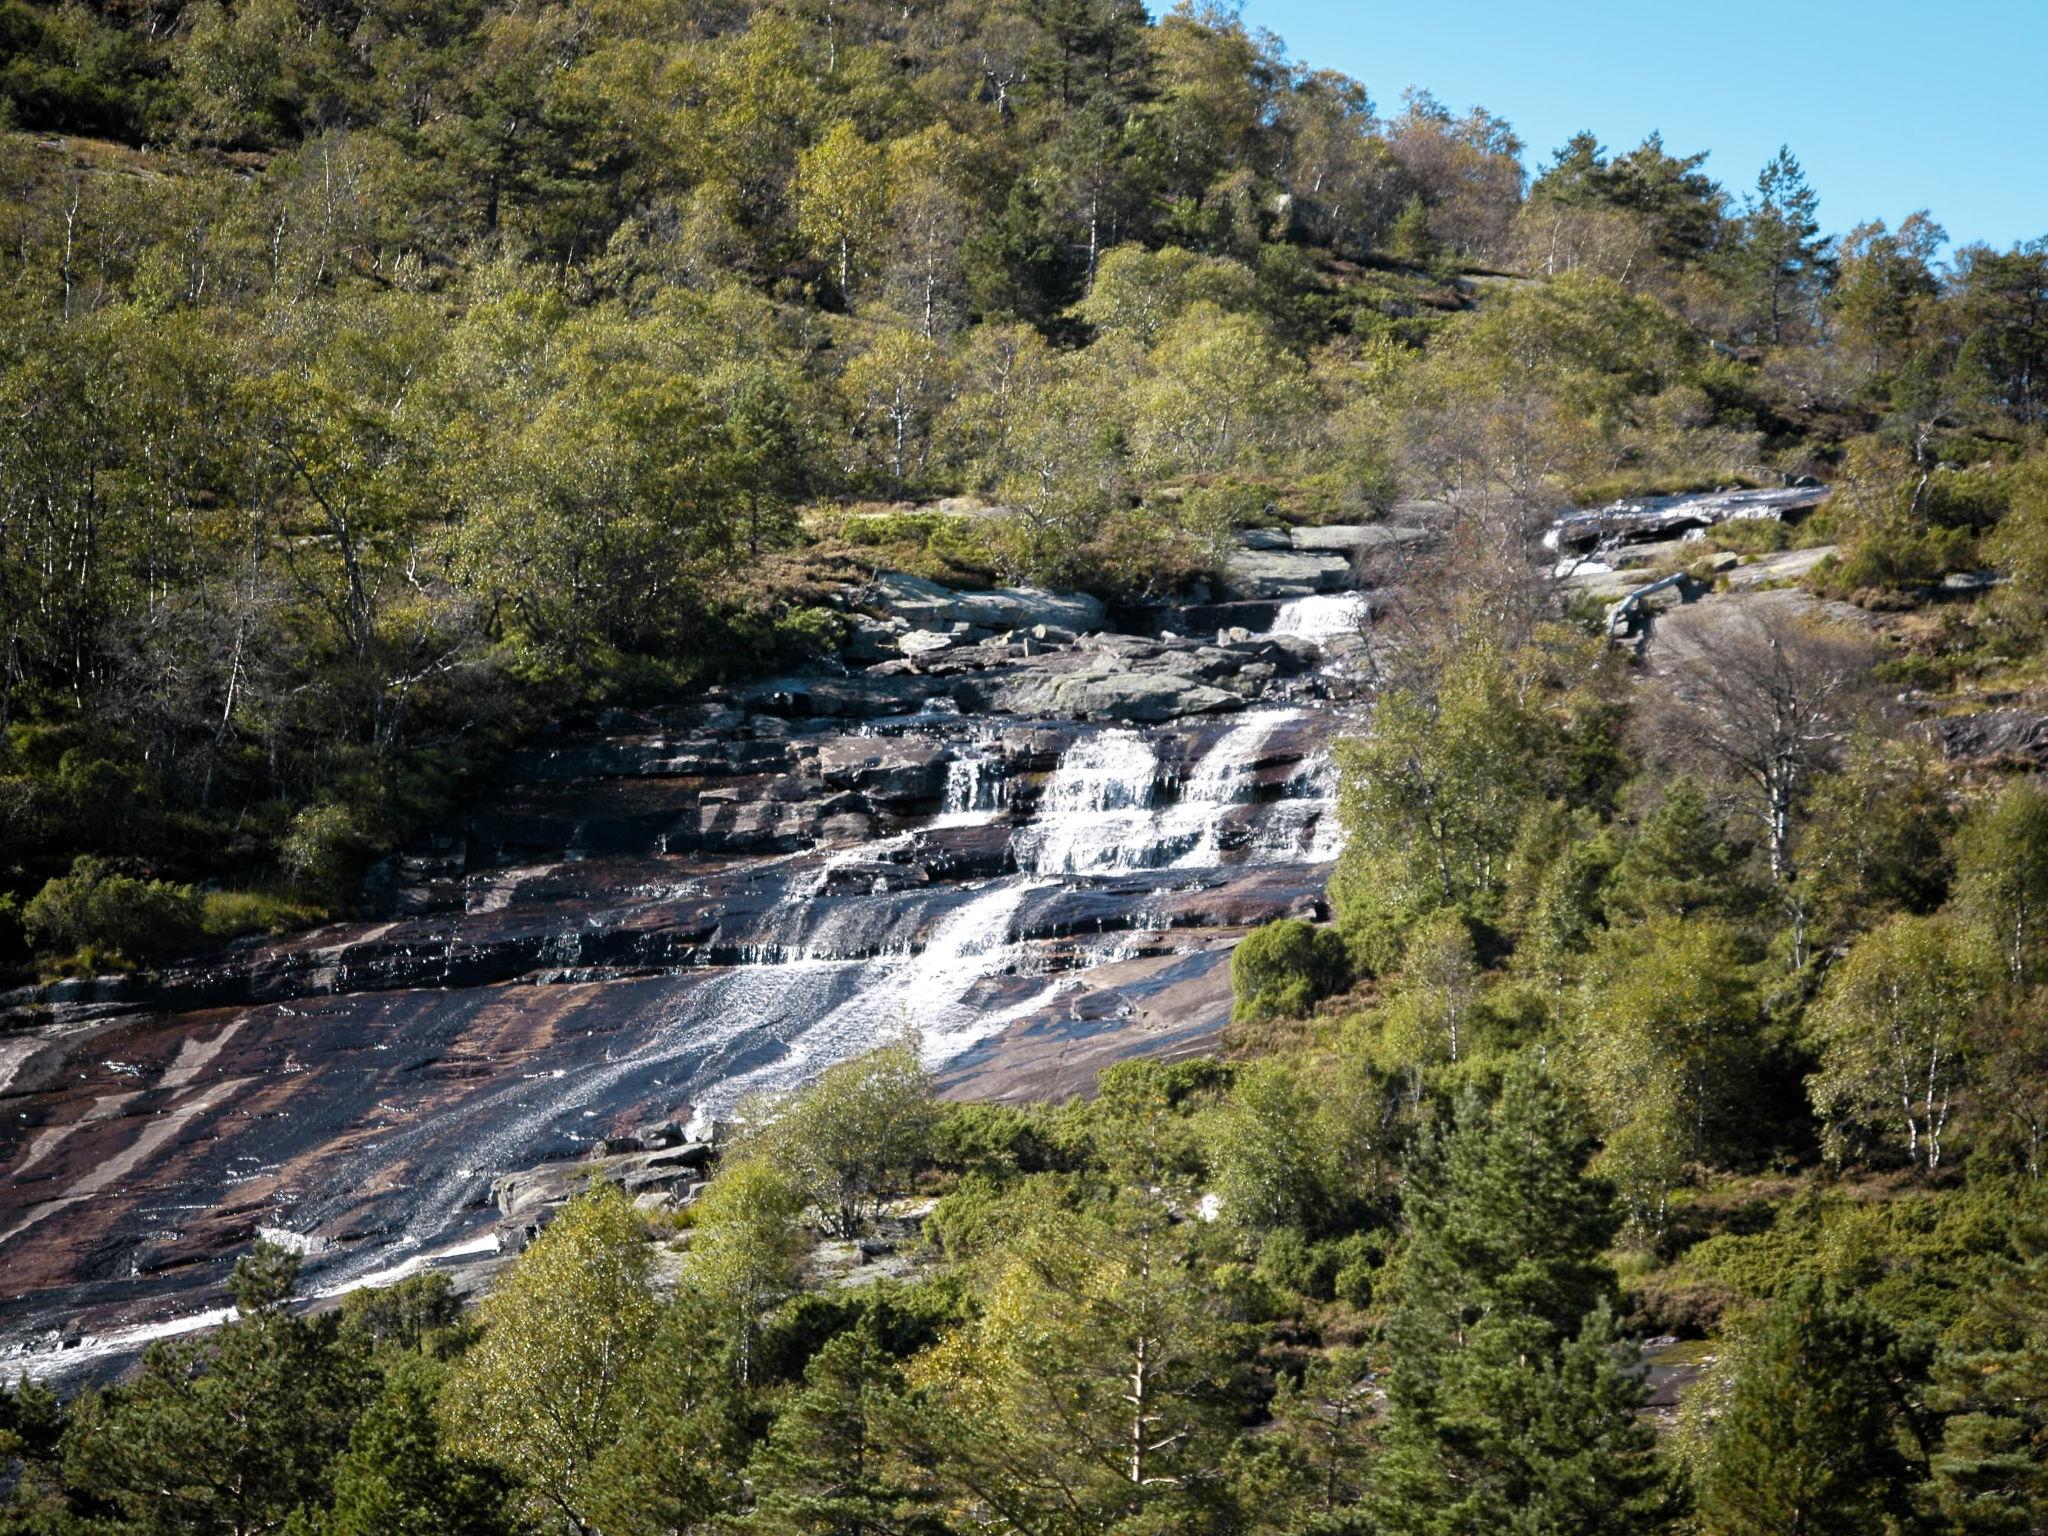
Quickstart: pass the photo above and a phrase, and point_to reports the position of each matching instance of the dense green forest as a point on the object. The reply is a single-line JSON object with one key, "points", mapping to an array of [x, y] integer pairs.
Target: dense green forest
{"points": [[381, 381]]}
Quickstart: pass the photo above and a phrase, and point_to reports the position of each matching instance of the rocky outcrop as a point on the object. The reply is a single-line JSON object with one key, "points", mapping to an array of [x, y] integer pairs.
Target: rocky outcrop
{"points": [[1355, 539], [678, 1171], [925, 606], [1664, 517], [1289, 572], [1279, 563], [2015, 736]]}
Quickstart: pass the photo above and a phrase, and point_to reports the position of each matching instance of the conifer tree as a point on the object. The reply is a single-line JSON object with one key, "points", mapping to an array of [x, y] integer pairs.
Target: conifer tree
{"points": [[1990, 1471], [231, 1434], [827, 1467], [1783, 262], [397, 1477], [676, 1463], [1806, 1443], [1508, 1403]]}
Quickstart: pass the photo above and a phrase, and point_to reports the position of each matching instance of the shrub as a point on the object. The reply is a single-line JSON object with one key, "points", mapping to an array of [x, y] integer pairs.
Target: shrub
{"points": [[852, 1138], [230, 914], [324, 848], [94, 908], [1285, 968], [994, 1139]]}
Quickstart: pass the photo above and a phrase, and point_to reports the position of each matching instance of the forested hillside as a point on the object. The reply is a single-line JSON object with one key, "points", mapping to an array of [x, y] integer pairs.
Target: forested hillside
{"points": [[380, 381], [1651, 1139]]}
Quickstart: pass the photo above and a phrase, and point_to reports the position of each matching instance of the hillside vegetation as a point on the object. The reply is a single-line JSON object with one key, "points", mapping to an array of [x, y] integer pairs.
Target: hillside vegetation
{"points": [[381, 381], [1650, 1142]]}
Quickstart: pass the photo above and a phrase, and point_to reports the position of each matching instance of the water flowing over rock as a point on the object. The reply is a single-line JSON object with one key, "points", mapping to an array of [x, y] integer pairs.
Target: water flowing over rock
{"points": [[1598, 529], [1035, 847]]}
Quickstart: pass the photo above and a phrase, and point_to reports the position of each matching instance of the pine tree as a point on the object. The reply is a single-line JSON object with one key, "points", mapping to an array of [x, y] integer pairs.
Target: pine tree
{"points": [[1679, 862], [232, 1434], [1500, 1220], [1991, 1469], [1547, 1444], [397, 1478], [1091, 1393], [1783, 262], [1806, 1444], [826, 1468], [1508, 1402]]}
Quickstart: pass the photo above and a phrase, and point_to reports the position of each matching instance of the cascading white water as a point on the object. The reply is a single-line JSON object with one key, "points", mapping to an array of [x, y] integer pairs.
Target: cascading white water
{"points": [[927, 991], [1302, 827], [1096, 809], [1322, 617], [1221, 779], [819, 880], [974, 793]]}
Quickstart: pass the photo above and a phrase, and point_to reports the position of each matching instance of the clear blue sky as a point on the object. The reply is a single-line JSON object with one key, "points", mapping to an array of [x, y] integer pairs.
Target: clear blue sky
{"points": [[1891, 106]]}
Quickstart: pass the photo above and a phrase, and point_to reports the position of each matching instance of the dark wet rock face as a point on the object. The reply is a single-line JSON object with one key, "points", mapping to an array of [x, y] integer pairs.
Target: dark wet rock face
{"points": [[1036, 845]]}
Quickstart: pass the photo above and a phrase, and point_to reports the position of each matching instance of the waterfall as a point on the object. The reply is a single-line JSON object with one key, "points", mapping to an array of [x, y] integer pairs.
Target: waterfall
{"points": [[560, 1004], [975, 793], [1302, 827], [1096, 812], [1221, 779], [819, 880], [928, 991], [1322, 617]]}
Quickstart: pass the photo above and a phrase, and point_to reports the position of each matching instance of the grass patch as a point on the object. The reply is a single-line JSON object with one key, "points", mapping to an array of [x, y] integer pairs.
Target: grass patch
{"points": [[228, 915]]}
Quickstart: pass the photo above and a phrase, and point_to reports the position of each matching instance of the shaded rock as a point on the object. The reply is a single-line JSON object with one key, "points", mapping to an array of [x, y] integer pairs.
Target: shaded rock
{"points": [[927, 605], [672, 1169], [1255, 573], [1653, 517], [1114, 694], [1352, 538], [2011, 734]]}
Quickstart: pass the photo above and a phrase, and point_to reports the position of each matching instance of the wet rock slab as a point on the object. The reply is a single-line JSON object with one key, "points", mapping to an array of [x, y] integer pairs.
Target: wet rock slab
{"points": [[1038, 851]]}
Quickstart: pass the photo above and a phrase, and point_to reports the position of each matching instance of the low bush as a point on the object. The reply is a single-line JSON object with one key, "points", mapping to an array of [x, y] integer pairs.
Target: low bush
{"points": [[1285, 968], [117, 917]]}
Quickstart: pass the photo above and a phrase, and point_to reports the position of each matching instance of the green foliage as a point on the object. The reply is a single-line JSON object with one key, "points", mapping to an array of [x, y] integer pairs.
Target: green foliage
{"points": [[1988, 1471], [1668, 1039], [1500, 1217], [397, 1478], [678, 1457], [1090, 1391], [1679, 863], [1805, 1439], [233, 1433], [853, 1137], [544, 1391], [825, 1464], [112, 916], [1508, 1399], [2002, 875], [1284, 968], [324, 848], [744, 1251], [1891, 1032]]}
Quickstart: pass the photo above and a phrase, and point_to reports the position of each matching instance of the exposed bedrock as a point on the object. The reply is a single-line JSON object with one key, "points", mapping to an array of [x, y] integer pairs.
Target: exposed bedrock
{"points": [[1036, 846]]}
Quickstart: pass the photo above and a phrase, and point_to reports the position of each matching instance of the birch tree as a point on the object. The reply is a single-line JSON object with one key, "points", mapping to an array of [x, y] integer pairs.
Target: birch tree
{"points": [[1892, 1030], [542, 1393], [2002, 860], [1765, 702], [1089, 1393]]}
